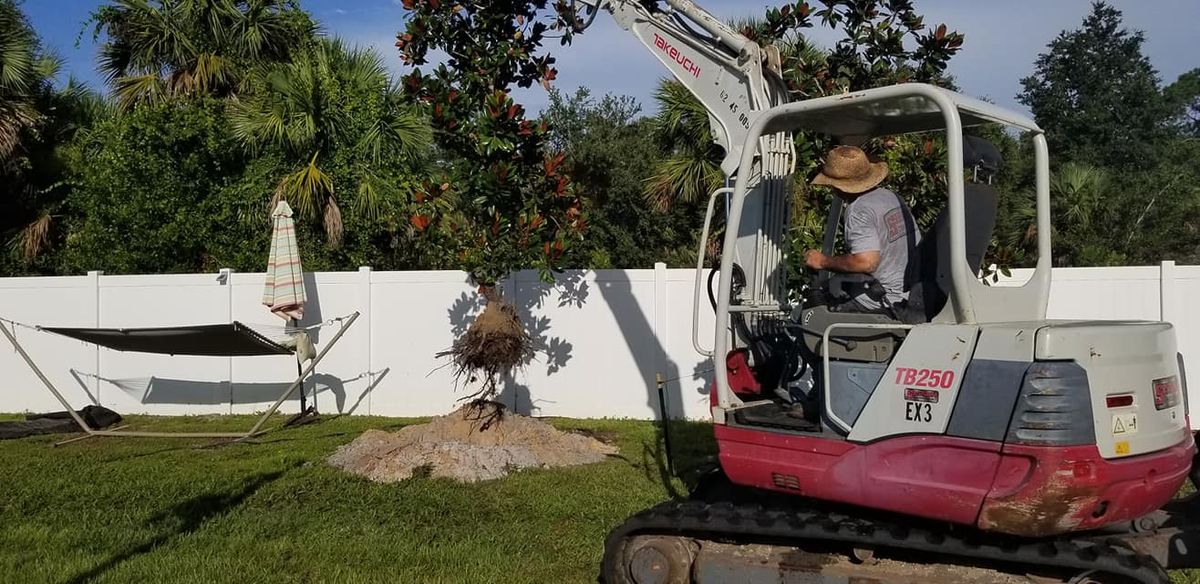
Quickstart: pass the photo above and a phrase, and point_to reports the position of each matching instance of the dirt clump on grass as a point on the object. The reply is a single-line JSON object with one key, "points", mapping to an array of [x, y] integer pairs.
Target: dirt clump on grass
{"points": [[477, 442]]}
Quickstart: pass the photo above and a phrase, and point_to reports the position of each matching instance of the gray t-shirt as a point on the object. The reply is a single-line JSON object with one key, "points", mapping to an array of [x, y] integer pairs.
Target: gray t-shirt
{"points": [[880, 221]]}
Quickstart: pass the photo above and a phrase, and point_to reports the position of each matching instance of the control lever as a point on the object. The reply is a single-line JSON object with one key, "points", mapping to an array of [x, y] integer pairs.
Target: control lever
{"points": [[848, 344], [876, 292]]}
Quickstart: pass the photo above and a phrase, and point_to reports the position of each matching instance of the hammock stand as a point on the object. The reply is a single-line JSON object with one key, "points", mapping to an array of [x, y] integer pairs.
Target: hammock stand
{"points": [[221, 340]]}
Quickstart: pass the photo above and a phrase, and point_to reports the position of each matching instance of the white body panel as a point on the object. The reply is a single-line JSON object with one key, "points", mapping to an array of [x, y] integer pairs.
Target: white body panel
{"points": [[913, 397], [1121, 358]]}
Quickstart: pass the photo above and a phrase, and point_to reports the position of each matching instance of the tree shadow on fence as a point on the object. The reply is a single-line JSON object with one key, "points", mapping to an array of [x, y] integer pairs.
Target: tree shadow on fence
{"points": [[691, 442]]}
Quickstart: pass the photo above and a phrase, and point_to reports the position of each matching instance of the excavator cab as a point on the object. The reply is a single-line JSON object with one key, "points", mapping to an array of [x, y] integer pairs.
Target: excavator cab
{"points": [[928, 281], [868, 409], [858, 357]]}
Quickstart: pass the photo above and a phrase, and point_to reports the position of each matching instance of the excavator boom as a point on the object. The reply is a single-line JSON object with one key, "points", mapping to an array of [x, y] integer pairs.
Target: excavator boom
{"points": [[735, 80], [728, 73]]}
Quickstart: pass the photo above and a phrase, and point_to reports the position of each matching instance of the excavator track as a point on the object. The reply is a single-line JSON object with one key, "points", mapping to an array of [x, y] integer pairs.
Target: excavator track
{"points": [[799, 523]]}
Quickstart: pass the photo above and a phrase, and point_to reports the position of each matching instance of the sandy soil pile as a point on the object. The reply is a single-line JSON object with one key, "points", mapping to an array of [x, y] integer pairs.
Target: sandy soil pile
{"points": [[462, 447]]}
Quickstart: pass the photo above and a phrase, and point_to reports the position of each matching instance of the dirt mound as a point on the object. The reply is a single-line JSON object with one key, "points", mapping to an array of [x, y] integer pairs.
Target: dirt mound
{"points": [[471, 444]]}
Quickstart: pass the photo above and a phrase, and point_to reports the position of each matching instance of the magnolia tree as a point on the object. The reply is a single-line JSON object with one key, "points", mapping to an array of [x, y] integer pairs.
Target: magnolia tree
{"points": [[504, 200]]}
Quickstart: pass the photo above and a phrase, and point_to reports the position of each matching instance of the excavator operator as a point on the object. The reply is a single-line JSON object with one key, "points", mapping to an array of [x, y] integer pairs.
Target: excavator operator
{"points": [[879, 231]]}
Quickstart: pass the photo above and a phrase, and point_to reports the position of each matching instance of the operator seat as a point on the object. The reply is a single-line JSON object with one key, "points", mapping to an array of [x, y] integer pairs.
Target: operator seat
{"points": [[928, 295]]}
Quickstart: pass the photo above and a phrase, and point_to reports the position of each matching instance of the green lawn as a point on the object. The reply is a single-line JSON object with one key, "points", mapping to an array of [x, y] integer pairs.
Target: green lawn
{"points": [[158, 510], [162, 510]]}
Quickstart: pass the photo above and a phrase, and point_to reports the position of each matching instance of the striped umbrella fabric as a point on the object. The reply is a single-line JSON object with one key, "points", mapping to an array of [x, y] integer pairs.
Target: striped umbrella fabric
{"points": [[284, 290]]}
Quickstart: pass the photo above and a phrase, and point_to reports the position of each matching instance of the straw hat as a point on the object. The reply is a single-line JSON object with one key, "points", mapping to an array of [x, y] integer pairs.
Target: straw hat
{"points": [[848, 169]]}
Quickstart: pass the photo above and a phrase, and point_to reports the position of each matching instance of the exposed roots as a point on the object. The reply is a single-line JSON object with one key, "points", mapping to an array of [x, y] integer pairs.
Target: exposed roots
{"points": [[482, 414], [492, 347]]}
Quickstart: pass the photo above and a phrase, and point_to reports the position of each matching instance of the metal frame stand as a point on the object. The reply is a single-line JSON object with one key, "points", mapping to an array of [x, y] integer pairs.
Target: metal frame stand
{"points": [[254, 431]]}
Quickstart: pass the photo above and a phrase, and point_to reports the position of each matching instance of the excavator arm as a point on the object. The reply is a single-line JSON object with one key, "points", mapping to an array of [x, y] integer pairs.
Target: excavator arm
{"points": [[735, 79], [732, 76]]}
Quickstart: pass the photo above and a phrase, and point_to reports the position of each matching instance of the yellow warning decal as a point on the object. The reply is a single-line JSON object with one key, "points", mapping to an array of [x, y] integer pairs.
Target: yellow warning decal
{"points": [[1122, 448]]}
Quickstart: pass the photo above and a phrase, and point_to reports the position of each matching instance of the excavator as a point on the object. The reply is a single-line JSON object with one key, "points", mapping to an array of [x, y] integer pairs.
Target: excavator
{"points": [[966, 438]]}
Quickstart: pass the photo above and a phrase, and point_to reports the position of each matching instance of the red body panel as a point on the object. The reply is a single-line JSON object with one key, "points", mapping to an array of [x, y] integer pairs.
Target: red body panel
{"points": [[1045, 491], [741, 377], [926, 476], [1023, 490]]}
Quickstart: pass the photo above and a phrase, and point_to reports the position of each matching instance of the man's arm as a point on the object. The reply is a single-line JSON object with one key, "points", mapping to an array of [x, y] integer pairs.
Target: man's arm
{"points": [[853, 263]]}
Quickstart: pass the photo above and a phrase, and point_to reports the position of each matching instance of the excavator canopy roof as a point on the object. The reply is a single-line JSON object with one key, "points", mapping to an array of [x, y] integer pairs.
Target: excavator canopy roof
{"points": [[884, 111]]}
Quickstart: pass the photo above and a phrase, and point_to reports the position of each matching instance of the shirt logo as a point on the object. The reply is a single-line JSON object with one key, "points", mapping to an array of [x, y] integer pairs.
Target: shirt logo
{"points": [[895, 224]]}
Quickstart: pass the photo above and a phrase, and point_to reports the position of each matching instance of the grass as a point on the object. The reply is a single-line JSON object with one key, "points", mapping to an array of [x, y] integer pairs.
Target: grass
{"points": [[158, 510], [173, 510]]}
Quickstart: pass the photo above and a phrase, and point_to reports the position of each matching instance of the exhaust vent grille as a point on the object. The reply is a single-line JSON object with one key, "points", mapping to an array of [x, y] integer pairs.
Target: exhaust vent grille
{"points": [[1055, 407], [783, 481]]}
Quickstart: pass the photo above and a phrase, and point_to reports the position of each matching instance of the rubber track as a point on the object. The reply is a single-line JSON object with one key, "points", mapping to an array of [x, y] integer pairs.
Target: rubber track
{"points": [[794, 525]]}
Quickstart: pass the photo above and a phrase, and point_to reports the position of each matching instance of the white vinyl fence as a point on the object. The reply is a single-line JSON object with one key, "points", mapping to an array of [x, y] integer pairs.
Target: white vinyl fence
{"points": [[601, 338]]}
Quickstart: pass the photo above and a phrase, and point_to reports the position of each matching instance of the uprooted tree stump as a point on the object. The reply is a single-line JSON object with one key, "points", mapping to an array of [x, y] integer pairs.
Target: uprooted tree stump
{"points": [[494, 345]]}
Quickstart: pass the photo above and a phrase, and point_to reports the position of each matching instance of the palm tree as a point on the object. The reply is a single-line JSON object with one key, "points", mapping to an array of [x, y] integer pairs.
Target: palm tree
{"points": [[692, 168], [327, 100], [36, 118], [21, 73], [161, 48], [1085, 224]]}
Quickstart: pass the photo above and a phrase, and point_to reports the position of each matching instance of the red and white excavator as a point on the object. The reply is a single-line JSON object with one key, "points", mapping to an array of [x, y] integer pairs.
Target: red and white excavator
{"points": [[968, 439]]}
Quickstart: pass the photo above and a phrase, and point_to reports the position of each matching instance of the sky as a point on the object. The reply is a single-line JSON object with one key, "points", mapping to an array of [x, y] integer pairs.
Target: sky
{"points": [[1002, 40]]}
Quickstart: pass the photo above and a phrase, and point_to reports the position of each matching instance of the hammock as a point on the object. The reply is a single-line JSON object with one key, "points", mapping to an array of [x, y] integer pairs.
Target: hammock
{"points": [[213, 340], [235, 339]]}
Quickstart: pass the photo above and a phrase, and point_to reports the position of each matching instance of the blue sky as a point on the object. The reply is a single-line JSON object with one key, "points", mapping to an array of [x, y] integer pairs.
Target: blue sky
{"points": [[1002, 40]]}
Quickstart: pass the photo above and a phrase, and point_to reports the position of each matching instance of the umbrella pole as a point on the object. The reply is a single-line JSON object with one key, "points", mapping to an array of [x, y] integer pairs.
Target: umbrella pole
{"points": [[300, 374]]}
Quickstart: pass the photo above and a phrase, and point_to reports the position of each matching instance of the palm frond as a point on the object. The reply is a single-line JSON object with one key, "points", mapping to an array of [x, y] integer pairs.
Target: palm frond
{"points": [[685, 177], [368, 201], [88, 105], [309, 187], [48, 66], [16, 115], [681, 116], [211, 72], [134, 89], [334, 228], [358, 68], [17, 53], [373, 192], [1077, 190], [34, 238], [281, 111], [398, 129], [114, 60], [262, 31]]}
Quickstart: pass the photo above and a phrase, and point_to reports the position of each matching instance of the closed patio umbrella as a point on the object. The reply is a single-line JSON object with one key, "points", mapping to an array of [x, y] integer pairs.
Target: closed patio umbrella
{"points": [[284, 291]]}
